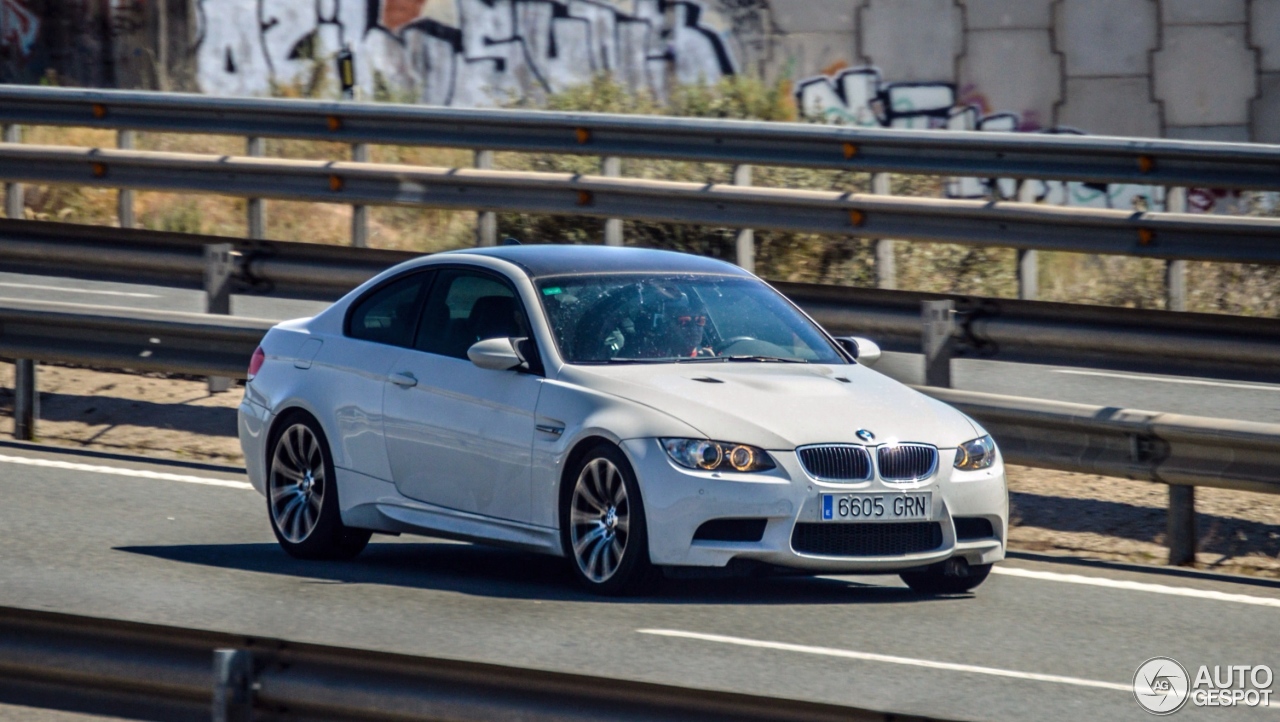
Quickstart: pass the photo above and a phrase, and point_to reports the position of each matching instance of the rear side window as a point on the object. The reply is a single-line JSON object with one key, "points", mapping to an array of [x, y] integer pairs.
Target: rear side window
{"points": [[389, 313]]}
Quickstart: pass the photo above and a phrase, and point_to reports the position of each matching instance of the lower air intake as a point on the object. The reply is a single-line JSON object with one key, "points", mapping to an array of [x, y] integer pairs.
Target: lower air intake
{"points": [[866, 540]]}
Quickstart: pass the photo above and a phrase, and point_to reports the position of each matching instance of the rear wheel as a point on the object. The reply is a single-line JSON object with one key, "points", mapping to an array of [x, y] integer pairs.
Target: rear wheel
{"points": [[302, 495], [603, 527], [953, 576]]}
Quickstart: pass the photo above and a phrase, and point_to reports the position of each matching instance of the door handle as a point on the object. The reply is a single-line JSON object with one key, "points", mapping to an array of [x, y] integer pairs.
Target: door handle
{"points": [[404, 379]]}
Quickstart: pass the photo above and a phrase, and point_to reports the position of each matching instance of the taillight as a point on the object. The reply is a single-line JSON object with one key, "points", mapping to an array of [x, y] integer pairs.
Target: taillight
{"points": [[255, 362]]}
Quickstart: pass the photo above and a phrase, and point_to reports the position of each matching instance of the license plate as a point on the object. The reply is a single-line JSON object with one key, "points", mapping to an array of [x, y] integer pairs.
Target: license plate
{"points": [[877, 507]]}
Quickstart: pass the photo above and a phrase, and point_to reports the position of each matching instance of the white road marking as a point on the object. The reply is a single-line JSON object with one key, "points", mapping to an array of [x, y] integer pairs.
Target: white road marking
{"points": [[120, 471], [38, 287], [1138, 586], [1166, 380], [888, 659]]}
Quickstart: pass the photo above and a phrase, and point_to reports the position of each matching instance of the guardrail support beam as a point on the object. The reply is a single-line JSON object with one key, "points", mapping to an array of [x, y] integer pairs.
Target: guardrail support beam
{"points": [[125, 140], [13, 200], [26, 399], [611, 167], [256, 207], [939, 341], [1028, 260], [886, 264], [360, 214], [486, 221], [746, 240], [232, 685], [1182, 525], [219, 267], [1175, 271]]}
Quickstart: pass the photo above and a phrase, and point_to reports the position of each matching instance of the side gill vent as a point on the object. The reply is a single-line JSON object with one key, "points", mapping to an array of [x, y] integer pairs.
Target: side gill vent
{"points": [[707, 380]]}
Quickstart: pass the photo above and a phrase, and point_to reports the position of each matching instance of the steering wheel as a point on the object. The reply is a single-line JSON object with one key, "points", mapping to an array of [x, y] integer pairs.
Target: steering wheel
{"points": [[731, 341]]}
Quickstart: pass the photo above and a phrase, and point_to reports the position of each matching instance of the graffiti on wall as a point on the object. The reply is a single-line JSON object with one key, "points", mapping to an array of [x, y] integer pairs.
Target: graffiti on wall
{"points": [[466, 52], [19, 28], [860, 96]]}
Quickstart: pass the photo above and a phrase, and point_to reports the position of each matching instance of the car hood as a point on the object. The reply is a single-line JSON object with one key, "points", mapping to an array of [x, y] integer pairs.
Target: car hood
{"points": [[781, 406]]}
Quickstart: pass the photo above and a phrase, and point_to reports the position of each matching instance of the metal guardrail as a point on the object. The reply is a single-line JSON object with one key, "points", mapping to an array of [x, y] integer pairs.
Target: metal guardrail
{"points": [[1128, 443], [1020, 225], [989, 155], [1073, 437], [189, 343], [289, 269], [1063, 334], [163, 672], [987, 328]]}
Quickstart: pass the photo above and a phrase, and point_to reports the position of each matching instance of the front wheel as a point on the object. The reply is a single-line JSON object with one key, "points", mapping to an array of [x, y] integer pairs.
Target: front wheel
{"points": [[602, 525], [953, 576], [302, 496]]}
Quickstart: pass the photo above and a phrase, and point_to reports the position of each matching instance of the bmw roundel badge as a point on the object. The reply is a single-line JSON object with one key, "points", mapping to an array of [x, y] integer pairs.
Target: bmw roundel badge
{"points": [[865, 435]]}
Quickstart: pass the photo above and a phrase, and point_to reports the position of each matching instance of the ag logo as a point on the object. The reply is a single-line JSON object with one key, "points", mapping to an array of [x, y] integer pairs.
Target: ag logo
{"points": [[1160, 685], [865, 435]]}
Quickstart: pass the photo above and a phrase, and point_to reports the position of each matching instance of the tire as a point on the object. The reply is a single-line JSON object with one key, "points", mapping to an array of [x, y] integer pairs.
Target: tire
{"points": [[953, 576], [602, 525], [302, 494]]}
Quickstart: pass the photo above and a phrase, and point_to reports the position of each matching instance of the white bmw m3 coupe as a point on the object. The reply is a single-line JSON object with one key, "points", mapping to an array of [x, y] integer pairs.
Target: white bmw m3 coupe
{"points": [[631, 410]]}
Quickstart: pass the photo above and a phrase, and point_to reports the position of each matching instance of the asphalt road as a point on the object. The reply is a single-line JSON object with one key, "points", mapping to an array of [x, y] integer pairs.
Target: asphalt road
{"points": [[1198, 397], [1039, 641]]}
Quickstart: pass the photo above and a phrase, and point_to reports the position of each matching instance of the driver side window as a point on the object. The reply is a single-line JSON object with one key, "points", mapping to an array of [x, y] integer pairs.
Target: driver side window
{"points": [[467, 306]]}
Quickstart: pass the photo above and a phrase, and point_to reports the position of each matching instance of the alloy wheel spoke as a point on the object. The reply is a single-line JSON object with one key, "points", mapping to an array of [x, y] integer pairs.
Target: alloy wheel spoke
{"points": [[580, 546], [597, 549]]}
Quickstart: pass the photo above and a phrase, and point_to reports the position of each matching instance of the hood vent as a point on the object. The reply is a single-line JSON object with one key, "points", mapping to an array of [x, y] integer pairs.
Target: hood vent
{"points": [[707, 380]]}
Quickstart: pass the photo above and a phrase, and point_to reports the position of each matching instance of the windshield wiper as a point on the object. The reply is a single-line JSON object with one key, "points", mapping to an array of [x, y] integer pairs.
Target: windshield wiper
{"points": [[779, 359]]}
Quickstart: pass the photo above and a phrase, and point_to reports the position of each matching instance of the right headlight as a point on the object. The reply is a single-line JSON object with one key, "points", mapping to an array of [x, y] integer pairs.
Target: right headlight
{"points": [[717, 455], [976, 454]]}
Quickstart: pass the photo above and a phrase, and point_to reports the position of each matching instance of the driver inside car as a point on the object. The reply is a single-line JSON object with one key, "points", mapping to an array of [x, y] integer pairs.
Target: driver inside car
{"points": [[681, 323]]}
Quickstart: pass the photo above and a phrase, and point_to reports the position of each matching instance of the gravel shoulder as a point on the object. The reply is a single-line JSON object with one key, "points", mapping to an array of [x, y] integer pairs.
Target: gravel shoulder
{"points": [[1054, 512]]}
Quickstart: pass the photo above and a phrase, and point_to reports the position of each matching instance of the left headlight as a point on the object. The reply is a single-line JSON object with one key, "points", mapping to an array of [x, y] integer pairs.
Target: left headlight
{"points": [[976, 454], [717, 455]]}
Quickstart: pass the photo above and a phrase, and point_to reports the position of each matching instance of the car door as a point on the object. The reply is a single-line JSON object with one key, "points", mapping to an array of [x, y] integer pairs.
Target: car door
{"points": [[350, 373], [457, 435]]}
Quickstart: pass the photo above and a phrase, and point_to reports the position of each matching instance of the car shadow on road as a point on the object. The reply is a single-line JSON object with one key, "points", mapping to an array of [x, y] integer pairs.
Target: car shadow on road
{"points": [[485, 571]]}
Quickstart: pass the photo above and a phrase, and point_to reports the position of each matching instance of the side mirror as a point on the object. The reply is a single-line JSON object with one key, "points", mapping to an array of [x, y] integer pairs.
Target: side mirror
{"points": [[866, 351], [497, 354]]}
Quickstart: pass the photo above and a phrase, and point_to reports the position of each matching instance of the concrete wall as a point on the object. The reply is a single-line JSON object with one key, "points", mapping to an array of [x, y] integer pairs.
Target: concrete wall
{"points": [[1202, 69], [1172, 68]]}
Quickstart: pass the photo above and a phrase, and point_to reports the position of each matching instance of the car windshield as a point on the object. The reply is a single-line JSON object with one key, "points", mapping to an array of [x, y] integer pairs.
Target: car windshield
{"points": [[657, 318]]}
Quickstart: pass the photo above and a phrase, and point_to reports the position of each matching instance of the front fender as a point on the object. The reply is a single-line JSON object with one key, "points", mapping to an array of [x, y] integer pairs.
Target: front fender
{"points": [[582, 414]]}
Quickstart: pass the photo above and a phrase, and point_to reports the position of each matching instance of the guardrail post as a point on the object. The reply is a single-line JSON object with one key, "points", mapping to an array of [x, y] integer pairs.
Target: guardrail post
{"points": [[13, 201], [219, 266], [611, 167], [1028, 260], [486, 221], [939, 345], [257, 208], [746, 241], [232, 685], [26, 400], [360, 214], [886, 264], [1182, 525], [1175, 272], [125, 140]]}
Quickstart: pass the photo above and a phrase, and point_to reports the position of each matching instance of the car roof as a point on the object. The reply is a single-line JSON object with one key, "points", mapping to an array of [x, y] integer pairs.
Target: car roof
{"points": [[561, 260]]}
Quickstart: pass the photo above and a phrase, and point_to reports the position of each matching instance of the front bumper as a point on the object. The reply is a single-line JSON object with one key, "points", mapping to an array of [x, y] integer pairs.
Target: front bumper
{"points": [[678, 501]]}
